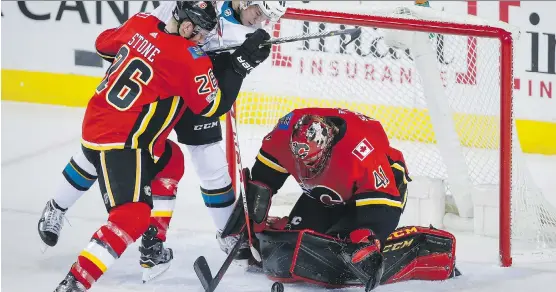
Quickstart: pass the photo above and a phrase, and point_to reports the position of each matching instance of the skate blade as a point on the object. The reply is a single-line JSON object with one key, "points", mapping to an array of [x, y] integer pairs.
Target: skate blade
{"points": [[43, 247], [241, 263], [151, 273]]}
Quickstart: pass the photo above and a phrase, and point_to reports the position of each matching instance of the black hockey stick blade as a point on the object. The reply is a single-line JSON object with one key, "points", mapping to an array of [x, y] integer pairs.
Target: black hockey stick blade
{"points": [[352, 32], [338, 250], [202, 268]]}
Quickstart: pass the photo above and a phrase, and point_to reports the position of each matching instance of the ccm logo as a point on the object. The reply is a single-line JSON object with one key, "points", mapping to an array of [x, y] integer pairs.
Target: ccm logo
{"points": [[205, 126]]}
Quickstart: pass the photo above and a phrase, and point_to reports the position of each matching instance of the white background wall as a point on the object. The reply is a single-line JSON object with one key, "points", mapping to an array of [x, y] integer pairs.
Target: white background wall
{"points": [[48, 44]]}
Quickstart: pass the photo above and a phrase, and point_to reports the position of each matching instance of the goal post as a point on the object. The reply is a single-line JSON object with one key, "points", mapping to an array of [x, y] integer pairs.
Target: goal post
{"points": [[454, 118]]}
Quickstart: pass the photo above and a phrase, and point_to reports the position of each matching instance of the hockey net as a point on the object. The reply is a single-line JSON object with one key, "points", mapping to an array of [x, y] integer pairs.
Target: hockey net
{"points": [[441, 85]]}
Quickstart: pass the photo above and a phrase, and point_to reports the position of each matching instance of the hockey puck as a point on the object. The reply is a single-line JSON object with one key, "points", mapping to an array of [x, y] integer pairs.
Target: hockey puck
{"points": [[277, 287]]}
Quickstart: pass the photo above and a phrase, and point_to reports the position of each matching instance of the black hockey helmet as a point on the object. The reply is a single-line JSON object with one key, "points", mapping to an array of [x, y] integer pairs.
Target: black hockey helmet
{"points": [[201, 13]]}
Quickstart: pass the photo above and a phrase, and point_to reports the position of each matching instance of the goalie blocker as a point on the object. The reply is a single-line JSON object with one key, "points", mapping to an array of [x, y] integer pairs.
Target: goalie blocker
{"points": [[409, 253]]}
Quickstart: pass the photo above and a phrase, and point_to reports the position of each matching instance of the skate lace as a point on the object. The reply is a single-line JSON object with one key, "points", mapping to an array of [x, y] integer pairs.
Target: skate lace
{"points": [[54, 220], [156, 252], [227, 243]]}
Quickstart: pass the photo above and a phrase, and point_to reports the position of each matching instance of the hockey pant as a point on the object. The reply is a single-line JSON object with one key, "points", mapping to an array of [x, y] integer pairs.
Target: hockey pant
{"points": [[80, 174], [410, 252]]}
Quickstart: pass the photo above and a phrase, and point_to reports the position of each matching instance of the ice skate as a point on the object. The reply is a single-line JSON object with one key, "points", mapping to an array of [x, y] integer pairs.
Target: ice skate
{"points": [[51, 223], [70, 284], [155, 258], [227, 243]]}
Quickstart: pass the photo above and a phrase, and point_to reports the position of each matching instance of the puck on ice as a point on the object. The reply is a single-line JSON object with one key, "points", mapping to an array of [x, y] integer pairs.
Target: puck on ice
{"points": [[277, 287]]}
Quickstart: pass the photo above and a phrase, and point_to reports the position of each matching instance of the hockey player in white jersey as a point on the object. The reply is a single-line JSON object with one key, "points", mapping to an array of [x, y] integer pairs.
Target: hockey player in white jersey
{"points": [[201, 135]]}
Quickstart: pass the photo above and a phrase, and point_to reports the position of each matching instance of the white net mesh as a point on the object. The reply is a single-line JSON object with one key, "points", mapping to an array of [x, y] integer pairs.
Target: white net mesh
{"points": [[439, 101]]}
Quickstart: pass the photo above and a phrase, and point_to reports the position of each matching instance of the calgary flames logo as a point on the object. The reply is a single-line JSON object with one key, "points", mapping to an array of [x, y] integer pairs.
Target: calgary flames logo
{"points": [[300, 149]]}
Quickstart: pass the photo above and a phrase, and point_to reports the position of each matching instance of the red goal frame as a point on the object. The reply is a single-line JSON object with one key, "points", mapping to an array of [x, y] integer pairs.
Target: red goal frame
{"points": [[506, 93]]}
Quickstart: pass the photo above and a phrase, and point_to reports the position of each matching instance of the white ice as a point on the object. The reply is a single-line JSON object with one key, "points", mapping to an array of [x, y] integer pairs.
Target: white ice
{"points": [[38, 140]]}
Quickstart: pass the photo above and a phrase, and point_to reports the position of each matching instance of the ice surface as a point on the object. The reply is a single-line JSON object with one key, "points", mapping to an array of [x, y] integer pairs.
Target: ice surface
{"points": [[38, 140]]}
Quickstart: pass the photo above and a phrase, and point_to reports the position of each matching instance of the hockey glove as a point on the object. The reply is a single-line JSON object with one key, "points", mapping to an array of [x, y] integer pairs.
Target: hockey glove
{"points": [[258, 200], [364, 249], [250, 55]]}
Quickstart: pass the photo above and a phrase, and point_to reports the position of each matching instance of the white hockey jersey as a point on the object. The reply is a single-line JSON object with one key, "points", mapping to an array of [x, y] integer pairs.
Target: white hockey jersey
{"points": [[230, 30]]}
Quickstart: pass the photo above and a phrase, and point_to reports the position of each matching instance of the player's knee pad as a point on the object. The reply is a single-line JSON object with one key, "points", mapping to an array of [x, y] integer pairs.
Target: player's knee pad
{"points": [[80, 172]]}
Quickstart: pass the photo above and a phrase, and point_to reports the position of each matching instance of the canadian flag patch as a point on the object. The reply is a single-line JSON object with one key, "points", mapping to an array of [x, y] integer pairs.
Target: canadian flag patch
{"points": [[363, 149]]}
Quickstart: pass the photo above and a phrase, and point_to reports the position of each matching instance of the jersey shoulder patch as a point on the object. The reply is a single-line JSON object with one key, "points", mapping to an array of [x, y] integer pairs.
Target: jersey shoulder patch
{"points": [[363, 149], [196, 52], [284, 122]]}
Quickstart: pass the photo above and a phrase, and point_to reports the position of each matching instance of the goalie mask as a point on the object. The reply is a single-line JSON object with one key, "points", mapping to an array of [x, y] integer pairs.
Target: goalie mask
{"points": [[311, 142]]}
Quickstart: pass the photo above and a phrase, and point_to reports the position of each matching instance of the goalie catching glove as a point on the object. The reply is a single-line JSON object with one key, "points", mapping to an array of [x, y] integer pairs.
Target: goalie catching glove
{"points": [[258, 201], [249, 55], [366, 258]]}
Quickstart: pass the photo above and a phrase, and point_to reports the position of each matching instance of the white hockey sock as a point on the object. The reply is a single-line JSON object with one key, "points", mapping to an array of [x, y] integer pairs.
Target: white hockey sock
{"points": [[220, 216], [216, 184], [67, 195], [78, 177]]}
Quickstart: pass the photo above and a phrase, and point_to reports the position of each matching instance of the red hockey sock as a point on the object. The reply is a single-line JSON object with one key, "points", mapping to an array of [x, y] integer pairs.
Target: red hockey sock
{"points": [[125, 224], [164, 188]]}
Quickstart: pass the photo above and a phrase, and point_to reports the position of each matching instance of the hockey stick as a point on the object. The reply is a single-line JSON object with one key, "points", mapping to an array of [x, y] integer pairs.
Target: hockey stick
{"points": [[242, 186], [202, 268], [338, 250], [352, 32]]}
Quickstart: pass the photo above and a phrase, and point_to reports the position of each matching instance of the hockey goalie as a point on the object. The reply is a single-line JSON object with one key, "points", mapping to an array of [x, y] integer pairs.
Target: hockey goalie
{"points": [[342, 230]]}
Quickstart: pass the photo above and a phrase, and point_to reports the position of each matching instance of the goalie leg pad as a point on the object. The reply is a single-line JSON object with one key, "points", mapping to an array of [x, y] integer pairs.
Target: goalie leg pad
{"points": [[419, 253], [412, 252], [292, 255]]}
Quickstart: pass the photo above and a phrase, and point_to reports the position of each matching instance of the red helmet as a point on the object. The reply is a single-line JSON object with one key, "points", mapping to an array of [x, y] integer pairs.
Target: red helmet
{"points": [[311, 142]]}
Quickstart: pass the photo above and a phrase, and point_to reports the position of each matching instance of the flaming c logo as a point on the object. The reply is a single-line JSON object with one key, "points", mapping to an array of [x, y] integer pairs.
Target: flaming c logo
{"points": [[300, 149]]}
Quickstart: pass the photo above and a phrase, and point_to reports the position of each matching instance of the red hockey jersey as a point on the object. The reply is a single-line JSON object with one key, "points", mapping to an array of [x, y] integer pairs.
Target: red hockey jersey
{"points": [[361, 166], [154, 76]]}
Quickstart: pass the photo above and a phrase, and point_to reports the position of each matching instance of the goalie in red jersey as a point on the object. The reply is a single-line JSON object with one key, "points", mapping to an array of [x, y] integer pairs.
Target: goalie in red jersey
{"points": [[342, 230]]}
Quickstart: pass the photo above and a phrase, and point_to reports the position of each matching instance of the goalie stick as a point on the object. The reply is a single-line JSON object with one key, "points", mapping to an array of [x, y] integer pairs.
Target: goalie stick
{"points": [[338, 250], [204, 274], [352, 32], [243, 187]]}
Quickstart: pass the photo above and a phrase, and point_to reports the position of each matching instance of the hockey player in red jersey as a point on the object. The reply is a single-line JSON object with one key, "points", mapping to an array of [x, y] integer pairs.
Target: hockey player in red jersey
{"points": [[157, 72], [354, 191]]}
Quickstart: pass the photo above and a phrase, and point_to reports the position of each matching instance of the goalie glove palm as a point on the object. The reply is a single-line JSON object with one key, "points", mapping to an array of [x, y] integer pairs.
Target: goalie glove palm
{"points": [[249, 55]]}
